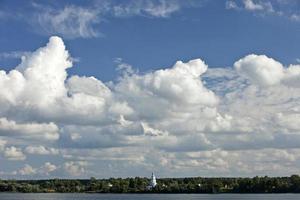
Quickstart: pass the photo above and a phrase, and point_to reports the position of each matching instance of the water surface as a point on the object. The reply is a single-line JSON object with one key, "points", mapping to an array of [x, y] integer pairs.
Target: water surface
{"points": [[55, 196]]}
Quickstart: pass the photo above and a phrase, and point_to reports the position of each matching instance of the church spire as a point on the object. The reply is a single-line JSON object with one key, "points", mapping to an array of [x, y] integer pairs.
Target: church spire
{"points": [[153, 181]]}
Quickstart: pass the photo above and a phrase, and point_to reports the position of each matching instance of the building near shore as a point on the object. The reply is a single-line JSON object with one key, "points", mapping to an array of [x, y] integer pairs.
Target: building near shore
{"points": [[152, 182]]}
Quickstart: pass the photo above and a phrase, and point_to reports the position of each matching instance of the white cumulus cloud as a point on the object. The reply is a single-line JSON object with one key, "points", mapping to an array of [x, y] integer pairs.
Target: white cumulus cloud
{"points": [[75, 168], [47, 168], [186, 118], [27, 170], [14, 153], [266, 71]]}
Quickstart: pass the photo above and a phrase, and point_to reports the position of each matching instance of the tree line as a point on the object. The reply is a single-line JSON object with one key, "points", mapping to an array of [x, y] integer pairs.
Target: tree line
{"points": [[164, 185]]}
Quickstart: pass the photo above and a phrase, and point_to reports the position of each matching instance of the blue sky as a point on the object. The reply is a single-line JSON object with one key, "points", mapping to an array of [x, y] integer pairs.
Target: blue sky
{"points": [[204, 29], [123, 88]]}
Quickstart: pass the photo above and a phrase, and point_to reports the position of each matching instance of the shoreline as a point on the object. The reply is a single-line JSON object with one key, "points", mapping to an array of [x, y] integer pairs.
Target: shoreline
{"points": [[137, 193], [140, 185]]}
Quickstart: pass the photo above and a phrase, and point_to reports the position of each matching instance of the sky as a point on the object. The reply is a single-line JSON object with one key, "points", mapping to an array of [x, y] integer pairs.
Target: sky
{"points": [[105, 89]]}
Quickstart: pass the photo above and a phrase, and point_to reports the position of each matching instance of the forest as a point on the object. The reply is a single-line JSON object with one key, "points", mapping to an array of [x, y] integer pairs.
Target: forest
{"points": [[164, 185]]}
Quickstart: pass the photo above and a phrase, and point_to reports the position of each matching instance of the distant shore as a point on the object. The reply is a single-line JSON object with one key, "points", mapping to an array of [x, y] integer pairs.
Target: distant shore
{"points": [[164, 185]]}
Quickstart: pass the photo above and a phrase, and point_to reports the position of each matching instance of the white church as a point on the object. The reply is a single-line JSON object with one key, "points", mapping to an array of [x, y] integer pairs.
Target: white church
{"points": [[152, 182]]}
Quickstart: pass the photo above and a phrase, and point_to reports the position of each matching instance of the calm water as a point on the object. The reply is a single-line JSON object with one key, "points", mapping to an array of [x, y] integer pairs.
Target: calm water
{"points": [[5, 196]]}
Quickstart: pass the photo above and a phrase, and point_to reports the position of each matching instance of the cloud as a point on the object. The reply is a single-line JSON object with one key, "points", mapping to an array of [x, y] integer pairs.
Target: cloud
{"points": [[27, 170], [250, 5], [31, 130], [160, 8], [186, 119], [84, 21], [265, 71], [29, 84], [87, 85], [13, 153], [231, 5], [75, 168], [38, 83], [260, 69], [71, 21], [284, 9], [123, 67], [164, 9], [167, 92], [151, 131], [41, 150], [12, 55], [2, 144], [47, 168], [295, 17], [43, 170], [188, 143], [289, 121]]}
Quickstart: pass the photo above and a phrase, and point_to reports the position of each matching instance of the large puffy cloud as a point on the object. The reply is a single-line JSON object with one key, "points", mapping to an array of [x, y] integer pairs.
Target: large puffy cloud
{"points": [[178, 118], [40, 91], [265, 109], [36, 89], [171, 96], [38, 81], [45, 73], [260, 69], [266, 71], [179, 85], [146, 105]]}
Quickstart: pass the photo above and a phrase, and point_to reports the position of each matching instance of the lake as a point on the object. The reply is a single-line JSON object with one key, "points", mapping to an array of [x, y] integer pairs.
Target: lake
{"points": [[52, 196]]}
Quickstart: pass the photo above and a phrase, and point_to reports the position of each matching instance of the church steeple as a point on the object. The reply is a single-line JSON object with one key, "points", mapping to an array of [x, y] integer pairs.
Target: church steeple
{"points": [[153, 181]]}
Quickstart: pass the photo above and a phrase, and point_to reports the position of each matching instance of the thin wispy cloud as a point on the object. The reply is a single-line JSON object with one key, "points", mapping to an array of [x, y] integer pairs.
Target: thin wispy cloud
{"points": [[295, 17], [13, 54], [161, 8], [85, 21], [71, 21], [252, 6], [231, 5], [286, 9]]}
